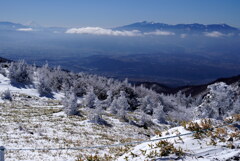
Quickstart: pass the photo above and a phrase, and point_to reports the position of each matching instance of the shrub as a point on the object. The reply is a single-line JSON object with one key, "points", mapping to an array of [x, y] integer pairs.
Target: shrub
{"points": [[70, 104], [199, 129], [6, 95], [20, 72], [44, 81], [2, 71]]}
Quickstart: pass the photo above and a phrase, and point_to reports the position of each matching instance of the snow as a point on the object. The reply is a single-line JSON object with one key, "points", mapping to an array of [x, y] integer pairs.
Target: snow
{"points": [[28, 90], [196, 149], [30, 121]]}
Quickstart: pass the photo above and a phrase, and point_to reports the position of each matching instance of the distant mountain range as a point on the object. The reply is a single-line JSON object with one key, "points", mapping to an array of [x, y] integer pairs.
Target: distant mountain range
{"points": [[148, 26], [143, 26], [11, 26], [175, 55], [192, 90]]}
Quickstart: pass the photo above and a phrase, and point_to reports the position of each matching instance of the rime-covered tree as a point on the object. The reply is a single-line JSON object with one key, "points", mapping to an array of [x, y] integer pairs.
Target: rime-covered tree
{"points": [[145, 120], [20, 72], [218, 103], [89, 98], [159, 114], [107, 102], [120, 105], [57, 78], [2, 70], [96, 112], [236, 107], [114, 106], [122, 101], [44, 81], [70, 103], [6, 95], [146, 104]]}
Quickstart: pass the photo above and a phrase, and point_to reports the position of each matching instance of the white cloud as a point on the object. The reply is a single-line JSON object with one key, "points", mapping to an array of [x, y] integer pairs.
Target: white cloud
{"points": [[102, 31], [214, 34], [160, 33], [110, 32], [183, 36], [230, 34], [25, 29]]}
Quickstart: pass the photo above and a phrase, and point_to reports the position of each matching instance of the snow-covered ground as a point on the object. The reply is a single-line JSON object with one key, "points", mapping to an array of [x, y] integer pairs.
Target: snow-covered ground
{"points": [[203, 149], [28, 90], [30, 121], [34, 122]]}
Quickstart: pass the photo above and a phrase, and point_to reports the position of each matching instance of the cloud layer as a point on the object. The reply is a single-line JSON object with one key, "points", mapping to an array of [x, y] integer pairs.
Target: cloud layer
{"points": [[160, 33], [214, 34], [183, 36], [102, 31], [110, 32], [131, 33], [217, 34], [25, 29]]}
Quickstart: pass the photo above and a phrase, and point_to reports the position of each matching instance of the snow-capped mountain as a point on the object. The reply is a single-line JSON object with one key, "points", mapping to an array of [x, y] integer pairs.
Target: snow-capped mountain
{"points": [[143, 26], [151, 26]]}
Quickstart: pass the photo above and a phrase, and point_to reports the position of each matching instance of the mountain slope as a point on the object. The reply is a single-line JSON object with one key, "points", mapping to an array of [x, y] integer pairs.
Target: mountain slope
{"points": [[150, 26], [188, 90], [34, 113], [3, 60], [191, 147], [11, 26]]}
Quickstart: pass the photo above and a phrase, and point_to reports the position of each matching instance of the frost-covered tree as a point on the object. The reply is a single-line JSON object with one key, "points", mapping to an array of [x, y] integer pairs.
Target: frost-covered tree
{"points": [[20, 72], [2, 71], [218, 103], [122, 101], [146, 104], [57, 78], [114, 106], [159, 114], [44, 81], [96, 113], [120, 105], [107, 102], [181, 113], [89, 98], [145, 120], [70, 103], [236, 107], [6, 95]]}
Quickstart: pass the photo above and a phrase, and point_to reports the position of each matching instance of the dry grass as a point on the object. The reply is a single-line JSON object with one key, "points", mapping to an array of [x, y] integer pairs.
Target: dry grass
{"points": [[32, 122]]}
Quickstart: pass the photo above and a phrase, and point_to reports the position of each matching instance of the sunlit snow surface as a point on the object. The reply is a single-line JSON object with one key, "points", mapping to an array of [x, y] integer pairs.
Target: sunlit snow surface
{"points": [[195, 149], [30, 121]]}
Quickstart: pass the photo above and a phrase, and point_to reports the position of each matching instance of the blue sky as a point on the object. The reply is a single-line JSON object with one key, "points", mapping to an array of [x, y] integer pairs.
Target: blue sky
{"points": [[111, 13]]}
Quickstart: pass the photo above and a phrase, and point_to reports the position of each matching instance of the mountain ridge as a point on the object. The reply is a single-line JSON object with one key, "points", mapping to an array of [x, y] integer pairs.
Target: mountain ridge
{"points": [[163, 88], [189, 89], [144, 25]]}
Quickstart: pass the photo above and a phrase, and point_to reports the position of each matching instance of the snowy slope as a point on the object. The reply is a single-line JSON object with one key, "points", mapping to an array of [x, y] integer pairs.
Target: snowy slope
{"points": [[28, 90], [30, 121], [194, 149]]}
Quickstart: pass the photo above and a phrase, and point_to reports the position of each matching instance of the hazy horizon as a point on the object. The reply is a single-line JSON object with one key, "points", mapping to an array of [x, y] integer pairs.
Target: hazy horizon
{"points": [[102, 37], [82, 13]]}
